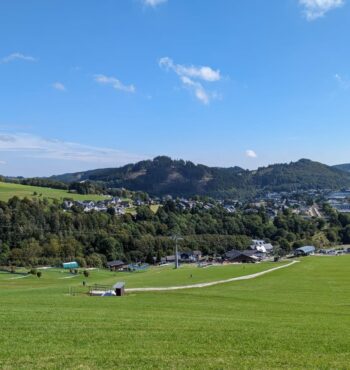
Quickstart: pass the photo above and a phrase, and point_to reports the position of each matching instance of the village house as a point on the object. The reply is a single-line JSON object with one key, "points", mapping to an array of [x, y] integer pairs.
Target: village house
{"points": [[117, 265], [261, 246], [190, 257], [241, 256]]}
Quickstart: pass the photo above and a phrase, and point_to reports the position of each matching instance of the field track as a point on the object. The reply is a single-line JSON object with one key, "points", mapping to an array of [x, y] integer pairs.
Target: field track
{"points": [[203, 285]]}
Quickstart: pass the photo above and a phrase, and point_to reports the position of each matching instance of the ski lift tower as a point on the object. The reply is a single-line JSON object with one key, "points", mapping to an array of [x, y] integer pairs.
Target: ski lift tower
{"points": [[176, 238]]}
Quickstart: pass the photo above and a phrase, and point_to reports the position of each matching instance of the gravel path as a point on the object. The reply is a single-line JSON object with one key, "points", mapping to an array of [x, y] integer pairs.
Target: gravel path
{"points": [[203, 285]]}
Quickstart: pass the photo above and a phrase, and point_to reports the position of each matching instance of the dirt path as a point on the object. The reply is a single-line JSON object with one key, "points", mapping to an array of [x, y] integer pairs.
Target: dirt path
{"points": [[202, 285]]}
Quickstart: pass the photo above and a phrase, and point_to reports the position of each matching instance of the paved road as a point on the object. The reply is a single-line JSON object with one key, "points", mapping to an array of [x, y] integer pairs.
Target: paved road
{"points": [[202, 285]]}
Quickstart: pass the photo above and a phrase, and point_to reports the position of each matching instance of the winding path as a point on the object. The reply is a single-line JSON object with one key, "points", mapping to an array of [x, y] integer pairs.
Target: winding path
{"points": [[203, 285]]}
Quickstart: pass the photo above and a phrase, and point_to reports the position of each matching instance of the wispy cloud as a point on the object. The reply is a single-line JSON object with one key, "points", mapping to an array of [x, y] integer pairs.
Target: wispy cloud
{"points": [[251, 154], [31, 146], [115, 83], [154, 3], [198, 89], [59, 86], [314, 9], [342, 81], [18, 56], [192, 77]]}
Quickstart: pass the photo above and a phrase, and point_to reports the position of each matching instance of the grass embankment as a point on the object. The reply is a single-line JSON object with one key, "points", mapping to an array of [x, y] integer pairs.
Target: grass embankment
{"points": [[298, 317], [9, 190]]}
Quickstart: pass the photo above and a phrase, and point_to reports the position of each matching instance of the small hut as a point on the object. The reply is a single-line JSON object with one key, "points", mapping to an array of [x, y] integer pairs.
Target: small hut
{"points": [[119, 289]]}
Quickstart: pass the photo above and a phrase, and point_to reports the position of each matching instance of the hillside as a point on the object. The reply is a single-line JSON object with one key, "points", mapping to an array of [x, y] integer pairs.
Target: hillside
{"points": [[9, 190], [304, 174], [183, 178], [280, 320], [166, 176], [343, 167]]}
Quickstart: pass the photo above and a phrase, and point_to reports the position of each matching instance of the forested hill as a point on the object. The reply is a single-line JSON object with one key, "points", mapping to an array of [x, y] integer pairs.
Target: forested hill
{"points": [[162, 175], [344, 167], [304, 174]]}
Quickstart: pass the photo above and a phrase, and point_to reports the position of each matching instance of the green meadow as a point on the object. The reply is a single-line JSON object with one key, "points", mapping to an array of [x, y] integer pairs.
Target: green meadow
{"points": [[9, 190], [293, 318]]}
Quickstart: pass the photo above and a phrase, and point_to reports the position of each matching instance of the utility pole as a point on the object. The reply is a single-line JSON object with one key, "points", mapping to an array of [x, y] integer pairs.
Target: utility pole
{"points": [[176, 238]]}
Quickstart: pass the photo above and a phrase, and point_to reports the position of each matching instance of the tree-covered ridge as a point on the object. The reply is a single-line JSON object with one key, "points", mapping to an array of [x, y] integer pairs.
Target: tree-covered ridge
{"points": [[301, 175], [162, 175], [343, 167]]}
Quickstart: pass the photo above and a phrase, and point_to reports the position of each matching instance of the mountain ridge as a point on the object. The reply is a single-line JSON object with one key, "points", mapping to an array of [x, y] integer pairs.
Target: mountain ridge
{"points": [[163, 175], [343, 167]]}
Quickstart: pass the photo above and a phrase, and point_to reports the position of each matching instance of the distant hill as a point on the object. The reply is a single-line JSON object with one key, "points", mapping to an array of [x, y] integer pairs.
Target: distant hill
{"points": [[304, 174], [343, 167], [162, 175]]}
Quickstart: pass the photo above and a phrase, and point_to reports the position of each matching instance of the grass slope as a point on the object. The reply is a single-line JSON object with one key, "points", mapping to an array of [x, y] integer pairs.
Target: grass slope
{"points": [[297, 317], [9, 190]]}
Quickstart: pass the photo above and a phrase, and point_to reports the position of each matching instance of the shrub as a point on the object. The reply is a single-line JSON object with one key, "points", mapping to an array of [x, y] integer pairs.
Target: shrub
{"points": [[81, 261], [86, 273], [33, 271], [38, 274]]}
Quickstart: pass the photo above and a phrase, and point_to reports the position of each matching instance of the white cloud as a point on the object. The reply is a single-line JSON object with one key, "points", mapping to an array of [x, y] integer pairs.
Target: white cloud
{"points": [[251, 154], [59, 86], [154, 3], [314, 9], [343, 82], [31, 146], [115, 83], [191, 75], [18, 56], [3, 162], [201, 73], [198, 89]]}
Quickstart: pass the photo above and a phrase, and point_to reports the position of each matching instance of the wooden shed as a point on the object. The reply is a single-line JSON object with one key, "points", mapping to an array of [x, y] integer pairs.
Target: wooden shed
{"points": [[119, 288]]}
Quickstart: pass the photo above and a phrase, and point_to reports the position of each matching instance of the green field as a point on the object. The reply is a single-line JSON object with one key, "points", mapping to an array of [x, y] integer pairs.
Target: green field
{"points": [[9, 190], [293, 318]]}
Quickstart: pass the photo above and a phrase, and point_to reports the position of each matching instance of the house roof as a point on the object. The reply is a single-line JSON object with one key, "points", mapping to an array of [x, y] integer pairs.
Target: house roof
{"points": [[72, 263], [268, 246], [249, 252], [119, 285], [232, 254], [115, 263], [306, 249]]}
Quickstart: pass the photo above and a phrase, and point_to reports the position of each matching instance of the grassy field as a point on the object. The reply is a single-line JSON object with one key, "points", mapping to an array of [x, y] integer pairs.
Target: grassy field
{"points": [[154, 207], [8, 190], [294, 318]]}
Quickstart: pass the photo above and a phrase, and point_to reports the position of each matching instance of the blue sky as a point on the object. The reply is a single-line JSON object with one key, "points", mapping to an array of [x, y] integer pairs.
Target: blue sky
{"points": [[88, 84]]}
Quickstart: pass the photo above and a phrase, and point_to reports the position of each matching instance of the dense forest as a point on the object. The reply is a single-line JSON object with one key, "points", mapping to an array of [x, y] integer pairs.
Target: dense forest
{"points": [[39, 232], [162, 176], [344, 167]]}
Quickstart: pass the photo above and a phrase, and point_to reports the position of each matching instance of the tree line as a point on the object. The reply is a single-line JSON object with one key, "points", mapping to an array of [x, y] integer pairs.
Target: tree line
{"points": [[39, 232]]}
